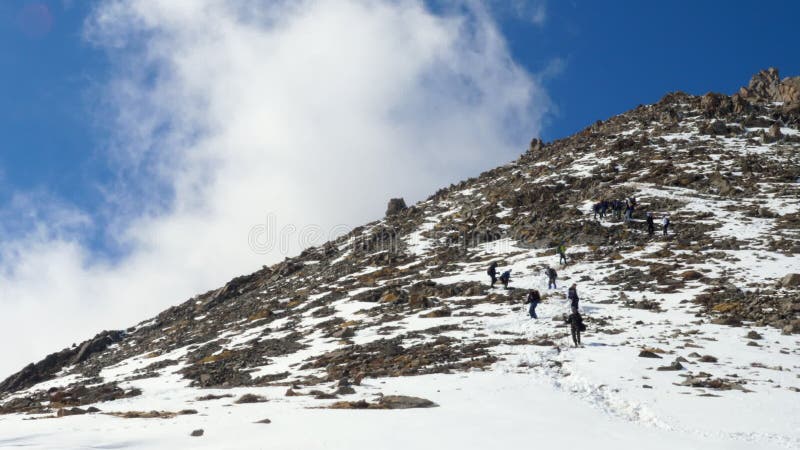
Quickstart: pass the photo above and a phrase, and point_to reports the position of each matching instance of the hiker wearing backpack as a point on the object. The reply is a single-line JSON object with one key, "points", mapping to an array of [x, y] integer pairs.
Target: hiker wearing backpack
{"points": [[596, 209], [505, 278], [576, 325], [534, 299], [650, 226], [572, 295], [562, 253], [492, 272], [603, 208], [551, 278], [665, 223]]}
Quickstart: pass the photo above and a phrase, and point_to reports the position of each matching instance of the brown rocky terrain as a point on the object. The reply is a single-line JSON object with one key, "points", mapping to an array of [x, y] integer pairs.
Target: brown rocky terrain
{"points": [[408, 295]]}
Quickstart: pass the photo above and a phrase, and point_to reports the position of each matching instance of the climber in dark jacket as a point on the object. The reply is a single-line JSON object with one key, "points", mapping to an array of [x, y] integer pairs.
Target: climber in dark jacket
{"points": [[505, 278], [572, 295], [650, 225], [629, 207], [617, 206], [551, 278], [492, 272], [603, 208], [596, 209], [534, 299], [576, 325]]}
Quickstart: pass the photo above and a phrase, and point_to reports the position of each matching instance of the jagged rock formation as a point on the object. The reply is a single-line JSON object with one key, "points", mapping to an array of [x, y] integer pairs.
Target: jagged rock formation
{"points": [[766, 86], [408, 295]]}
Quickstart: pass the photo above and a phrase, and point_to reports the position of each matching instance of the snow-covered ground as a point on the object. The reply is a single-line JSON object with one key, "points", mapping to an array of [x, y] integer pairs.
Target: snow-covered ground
{"points": [[477, 411]]}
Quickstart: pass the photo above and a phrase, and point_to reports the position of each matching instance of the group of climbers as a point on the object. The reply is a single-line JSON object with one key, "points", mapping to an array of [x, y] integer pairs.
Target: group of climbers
{"points": [[651, 228], [504, 278], [534, 298], [602, 207], [629, 205]]}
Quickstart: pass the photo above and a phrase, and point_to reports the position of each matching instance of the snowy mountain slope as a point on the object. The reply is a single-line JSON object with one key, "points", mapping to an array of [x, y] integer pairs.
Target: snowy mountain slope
{"points": [[402, 306]]}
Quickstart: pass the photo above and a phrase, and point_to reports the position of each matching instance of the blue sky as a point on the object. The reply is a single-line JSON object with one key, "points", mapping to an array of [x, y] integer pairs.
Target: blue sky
{"points": [[227, 115]]}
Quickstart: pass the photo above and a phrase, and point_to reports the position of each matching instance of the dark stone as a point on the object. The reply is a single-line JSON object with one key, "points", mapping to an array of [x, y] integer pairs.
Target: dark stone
{"points": [[752, 334], [676, 365], [250, 398], [396, 205]]}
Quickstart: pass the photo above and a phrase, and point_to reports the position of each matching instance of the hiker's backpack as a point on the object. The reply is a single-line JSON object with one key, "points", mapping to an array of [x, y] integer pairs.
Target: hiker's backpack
{"points": [[582, 327]]}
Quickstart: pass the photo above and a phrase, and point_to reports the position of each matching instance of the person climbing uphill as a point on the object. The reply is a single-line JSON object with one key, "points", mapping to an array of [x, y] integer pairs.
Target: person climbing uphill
{"points": [[603, 208], [492, 272], [596, 209], [562, 253], [572, 295], [616, 208], [630, 205], [505, 278], [576, 325], [665, 223], [534, 299], [650, 226], [551, 278]]}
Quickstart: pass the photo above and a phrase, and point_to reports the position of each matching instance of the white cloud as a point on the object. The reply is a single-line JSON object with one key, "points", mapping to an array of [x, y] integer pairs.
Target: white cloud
{"points": [[224, 112], [533, 11]]}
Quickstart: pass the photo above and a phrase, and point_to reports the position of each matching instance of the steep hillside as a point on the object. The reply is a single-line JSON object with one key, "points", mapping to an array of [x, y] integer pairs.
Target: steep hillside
{"points": [[681, 328]]}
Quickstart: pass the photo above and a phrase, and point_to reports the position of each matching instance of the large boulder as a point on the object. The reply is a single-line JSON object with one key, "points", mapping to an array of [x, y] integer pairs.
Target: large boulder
{"points": [[536, 145], [396, 205]]}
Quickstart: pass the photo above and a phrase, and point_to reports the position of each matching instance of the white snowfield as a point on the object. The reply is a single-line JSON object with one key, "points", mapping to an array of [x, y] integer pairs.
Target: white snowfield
{"points": [[546, 395]]}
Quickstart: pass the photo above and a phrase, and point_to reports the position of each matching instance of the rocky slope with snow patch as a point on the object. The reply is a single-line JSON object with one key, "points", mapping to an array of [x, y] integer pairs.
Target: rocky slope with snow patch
{"points": [[682, 328]]}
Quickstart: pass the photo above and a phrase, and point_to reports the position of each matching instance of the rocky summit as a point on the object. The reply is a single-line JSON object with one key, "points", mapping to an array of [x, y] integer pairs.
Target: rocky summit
{"points": [[707, 312]]}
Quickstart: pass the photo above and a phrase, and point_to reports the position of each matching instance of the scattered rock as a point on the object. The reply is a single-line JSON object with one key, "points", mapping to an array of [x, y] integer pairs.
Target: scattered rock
{"points": [[404, 402], [250, 398], [676, 365], [345, 390], [63, 412], [208, 397], [197, 433], [144, 414], [387, 402], [691, 275], [264, 421], [752, 334], [648, 354]]}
